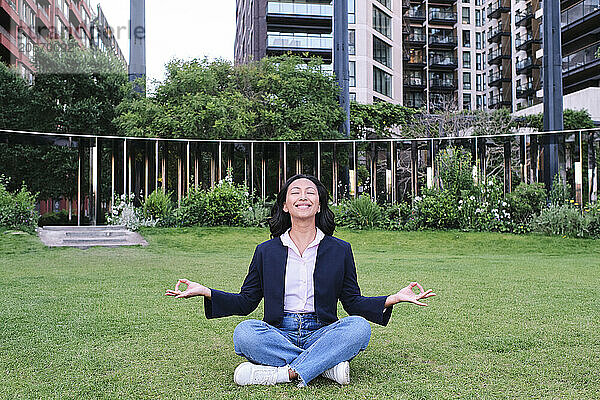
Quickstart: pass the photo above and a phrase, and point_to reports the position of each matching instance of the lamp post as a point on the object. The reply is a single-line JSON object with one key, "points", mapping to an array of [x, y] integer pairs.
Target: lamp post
{"points": [[340, 58]]}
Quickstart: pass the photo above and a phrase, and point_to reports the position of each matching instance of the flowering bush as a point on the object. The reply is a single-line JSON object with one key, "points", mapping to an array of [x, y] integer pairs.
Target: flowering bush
{"points": [[562, 220], [17, 211], [526, 201], [225, 204], [126, 214]]}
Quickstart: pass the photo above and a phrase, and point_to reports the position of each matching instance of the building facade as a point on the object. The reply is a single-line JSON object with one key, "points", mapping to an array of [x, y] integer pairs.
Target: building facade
{"points": [[25, 24]]}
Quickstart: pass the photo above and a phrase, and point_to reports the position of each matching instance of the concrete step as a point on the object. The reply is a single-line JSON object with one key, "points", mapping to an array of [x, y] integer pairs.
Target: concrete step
{"points": [[85, 228], [95, 234], [89, 236]]}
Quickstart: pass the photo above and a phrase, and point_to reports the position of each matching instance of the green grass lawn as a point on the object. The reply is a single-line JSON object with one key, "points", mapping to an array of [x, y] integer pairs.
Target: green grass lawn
{"points": [[515, 317]]}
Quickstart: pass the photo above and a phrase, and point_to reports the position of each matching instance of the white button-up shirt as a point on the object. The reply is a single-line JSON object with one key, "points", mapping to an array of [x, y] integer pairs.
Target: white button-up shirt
{"points": [[299, 284]]}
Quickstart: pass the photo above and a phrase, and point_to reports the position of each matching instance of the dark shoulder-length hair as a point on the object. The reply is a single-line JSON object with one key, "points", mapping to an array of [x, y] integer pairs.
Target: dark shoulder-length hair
{"points": [[280, 220]]}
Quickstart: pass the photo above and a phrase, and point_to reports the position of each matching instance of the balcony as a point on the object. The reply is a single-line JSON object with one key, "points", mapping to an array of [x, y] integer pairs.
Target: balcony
{"points": [[523, 17], [415, 14], [526, 65], [301, 17], [312, 44], [442, 17], [414, 61], [496, 56], [581, 59], [526, 42], [414, 103], [415, 40], [443, 41], [443, 84], [6, 34], [495, 35], [414, 82], [496, 79], [497, 8], [579, 20], [525, 90], [304, 9], [497, 101], [405, 5], [443, 61]]}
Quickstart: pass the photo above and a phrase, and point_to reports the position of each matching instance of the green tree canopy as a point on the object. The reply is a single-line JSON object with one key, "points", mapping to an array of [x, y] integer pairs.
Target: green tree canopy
{"points": [[276, 98], [379, 119], [572, 119]]}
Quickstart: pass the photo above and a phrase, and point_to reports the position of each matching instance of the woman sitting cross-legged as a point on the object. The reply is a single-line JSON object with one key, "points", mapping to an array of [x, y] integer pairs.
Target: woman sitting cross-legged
{"points": [[301, 273]]}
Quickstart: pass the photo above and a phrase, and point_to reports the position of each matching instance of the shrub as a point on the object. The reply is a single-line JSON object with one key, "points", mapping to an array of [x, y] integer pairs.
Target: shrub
{"points": [[592, 221], [437, 209], [17, 211], [257, 215], [359, 213], [157, 205], [396, 216], [224, 204], [126, 214], [455, 170], [560, 193], [526, 201], [560, 220]]}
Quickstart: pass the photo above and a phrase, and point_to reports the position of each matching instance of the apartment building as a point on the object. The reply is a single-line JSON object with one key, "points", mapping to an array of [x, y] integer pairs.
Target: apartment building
{"points": [[25, 24], [464, 54]]}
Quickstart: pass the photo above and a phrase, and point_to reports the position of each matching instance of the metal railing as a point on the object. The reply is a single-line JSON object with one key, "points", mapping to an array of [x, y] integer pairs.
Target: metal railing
{"points": [[522, 15], [302, 42], [398, 168], [582, 57], [443, 39], [324, 10], [10, 37], [438, 59], [443, 15], [579, 11]]}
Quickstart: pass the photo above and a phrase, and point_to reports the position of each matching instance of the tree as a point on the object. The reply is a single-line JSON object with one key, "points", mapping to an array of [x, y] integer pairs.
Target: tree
{"points": [[279, 98], [15, 98], [572, 120], [379, 119]]}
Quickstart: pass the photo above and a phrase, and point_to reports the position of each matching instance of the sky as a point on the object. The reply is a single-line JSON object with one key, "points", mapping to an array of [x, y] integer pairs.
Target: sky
{"points": [[177, 29]]}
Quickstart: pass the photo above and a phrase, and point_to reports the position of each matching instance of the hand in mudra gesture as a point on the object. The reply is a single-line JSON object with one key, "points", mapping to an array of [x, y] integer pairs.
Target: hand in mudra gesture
{"points": [[408, 295], [192, 289]]}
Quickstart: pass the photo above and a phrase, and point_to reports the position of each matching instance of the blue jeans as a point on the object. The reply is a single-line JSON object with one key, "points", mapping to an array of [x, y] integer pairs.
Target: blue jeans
{"points": [[303, 342]]}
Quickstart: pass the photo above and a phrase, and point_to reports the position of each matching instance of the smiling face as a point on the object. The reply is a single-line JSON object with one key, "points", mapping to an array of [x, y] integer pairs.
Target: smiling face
{"points": [[302, 200]]}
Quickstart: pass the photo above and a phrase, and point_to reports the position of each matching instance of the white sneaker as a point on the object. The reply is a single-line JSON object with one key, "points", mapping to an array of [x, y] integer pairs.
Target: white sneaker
{"points": [[340, 373], [254, 374]]}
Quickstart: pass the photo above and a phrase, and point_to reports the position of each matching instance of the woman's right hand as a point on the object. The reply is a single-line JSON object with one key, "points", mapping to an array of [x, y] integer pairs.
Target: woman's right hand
{"points": [[193, 289]]}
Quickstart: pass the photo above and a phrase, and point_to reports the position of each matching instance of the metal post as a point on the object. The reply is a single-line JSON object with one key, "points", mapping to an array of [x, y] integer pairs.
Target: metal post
{"points": [[319, 160], [187, 167], [112, 175], [553, 87], [354, 177], [220, 158], [252, 168], [146, 171], [578, 170], [393, 170], [284, 161], [125, 190], [414, 168], [340, 58], [507, 167], [334, 175], [93, 196], [79, 175], [430, 164], [592, 169], [523, 158], [156, 162]]}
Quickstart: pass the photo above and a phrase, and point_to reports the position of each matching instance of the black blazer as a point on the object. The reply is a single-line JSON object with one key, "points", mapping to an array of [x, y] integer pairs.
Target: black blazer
{"points": [[334, 278]]}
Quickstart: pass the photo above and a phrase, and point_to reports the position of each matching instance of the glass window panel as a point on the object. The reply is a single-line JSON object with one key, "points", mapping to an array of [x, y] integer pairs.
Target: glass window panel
{"points": [[382, 82], [382, 52], [382, 22]]}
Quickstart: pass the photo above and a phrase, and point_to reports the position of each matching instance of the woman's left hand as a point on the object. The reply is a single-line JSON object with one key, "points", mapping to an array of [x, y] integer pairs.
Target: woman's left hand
{"points": [[408, 295]]}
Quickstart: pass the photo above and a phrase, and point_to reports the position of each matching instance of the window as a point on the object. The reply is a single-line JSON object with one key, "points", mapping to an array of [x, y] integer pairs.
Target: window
{"points": [[477, 17], [466, 80], [382, 52], [478, 82], [484, 81], [478, 62], [466, 38], [466, 101], [351, 41], [479, 101], [382, 22], [352, 96], [466, 1], [477, 2], [382, 82], [466, 59], [466, 15], [478, 40], [351, 13], [385, 3], [352, 73]]}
